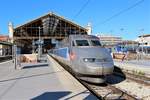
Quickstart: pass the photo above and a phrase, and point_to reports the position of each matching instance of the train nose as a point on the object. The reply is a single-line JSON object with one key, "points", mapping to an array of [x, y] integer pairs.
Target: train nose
{"points": [[93, 69], [99, 68], [107, 68], [94, 61]]}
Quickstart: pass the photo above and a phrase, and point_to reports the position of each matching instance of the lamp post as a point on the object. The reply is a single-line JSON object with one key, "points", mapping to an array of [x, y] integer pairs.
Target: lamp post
{"points": [[142, 39], [39, 44]]}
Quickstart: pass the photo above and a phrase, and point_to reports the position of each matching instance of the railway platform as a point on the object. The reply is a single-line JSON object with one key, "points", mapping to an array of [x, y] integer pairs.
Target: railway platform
{"points": [[44, 81], [138, 66]]}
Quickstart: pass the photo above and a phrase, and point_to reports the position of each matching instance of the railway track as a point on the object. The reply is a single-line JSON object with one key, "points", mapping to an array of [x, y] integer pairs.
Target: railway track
{"points": [[107, 91], [138, 87], [141, 79], [120, 88]]}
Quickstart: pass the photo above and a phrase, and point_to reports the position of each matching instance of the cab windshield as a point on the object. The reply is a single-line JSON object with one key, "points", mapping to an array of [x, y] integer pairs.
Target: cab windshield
{"points": [[95, 43], [82, 43]]}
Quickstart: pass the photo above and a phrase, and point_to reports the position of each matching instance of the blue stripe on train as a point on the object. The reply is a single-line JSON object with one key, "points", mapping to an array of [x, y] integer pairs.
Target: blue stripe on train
{"points": [[62, 52]]}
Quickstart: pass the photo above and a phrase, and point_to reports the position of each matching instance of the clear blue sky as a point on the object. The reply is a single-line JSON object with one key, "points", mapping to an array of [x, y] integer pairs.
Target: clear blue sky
{"points": [[97, 11]]}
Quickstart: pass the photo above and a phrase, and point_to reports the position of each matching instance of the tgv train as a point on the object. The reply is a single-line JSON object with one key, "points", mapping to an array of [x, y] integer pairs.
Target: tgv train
{"points": [[85, 56]]}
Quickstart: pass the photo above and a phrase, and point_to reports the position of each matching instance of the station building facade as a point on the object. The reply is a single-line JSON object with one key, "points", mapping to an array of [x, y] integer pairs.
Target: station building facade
{"points": [[117, 44], [144, 43], [48, 28], [109, 40], [5, 47], [144, 40]]}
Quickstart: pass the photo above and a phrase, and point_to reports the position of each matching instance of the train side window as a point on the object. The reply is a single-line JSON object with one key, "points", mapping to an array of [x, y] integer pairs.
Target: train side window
{"points": [[82, 43], [73, 43], [95, 43]]}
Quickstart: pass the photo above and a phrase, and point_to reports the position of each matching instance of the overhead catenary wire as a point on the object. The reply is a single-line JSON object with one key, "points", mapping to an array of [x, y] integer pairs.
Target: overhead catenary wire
{"points": [[81, 9], [119, 13]]}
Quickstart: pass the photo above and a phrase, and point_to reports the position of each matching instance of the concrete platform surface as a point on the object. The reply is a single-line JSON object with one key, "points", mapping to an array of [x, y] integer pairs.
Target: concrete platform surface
{"points": [[47, 81], [135, 65]]}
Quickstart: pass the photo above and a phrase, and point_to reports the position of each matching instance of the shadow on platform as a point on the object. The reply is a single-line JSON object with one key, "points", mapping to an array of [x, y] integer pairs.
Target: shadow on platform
{"points": [[117, 77], [52, 95], [88, 97], [31, 76], [61, 94], [35, 66]]}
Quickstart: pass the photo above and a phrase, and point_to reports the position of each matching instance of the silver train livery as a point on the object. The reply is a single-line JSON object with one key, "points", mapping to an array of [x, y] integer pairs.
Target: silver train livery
{"points": [[85, 56]]}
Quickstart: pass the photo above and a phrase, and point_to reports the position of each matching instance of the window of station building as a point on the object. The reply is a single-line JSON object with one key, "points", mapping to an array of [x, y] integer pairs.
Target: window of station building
{"points": [[82, 43], [95, 43]]}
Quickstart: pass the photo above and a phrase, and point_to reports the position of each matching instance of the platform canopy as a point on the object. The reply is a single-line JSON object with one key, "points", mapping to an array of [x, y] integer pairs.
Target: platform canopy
{"points": [[51, 26], [48, 27]]}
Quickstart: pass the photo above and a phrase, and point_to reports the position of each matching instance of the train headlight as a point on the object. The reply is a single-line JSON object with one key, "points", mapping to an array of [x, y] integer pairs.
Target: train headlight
{"points": [[89, 59]]}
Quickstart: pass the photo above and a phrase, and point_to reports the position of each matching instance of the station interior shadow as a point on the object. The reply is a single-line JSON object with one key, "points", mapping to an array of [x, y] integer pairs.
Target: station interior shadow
{"points": [[117, 76]]}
